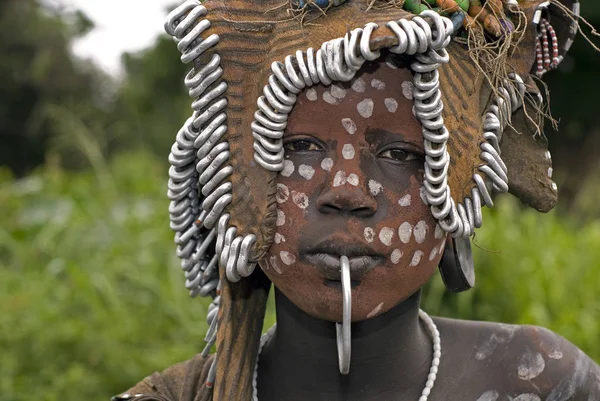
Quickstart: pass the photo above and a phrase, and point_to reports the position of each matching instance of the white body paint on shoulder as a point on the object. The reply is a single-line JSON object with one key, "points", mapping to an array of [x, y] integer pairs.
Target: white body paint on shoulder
{"points": [[531, 365]]}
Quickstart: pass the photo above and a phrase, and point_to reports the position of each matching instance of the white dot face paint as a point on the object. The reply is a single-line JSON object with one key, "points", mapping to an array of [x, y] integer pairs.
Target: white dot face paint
{"points": [[416, 259], [548, 155], [326, 164], [283, 193], [275, 264], [405, 200], [530, 366], [365, 108], [339, 179], [407, 89], [420, 231], [491, 395], [359, 85], [348, 151], [280, 218], [337, 91], [329, 98], [369, 234], [396, 255], [377, 84], [352, 180], [422, 194], [349, 125], [385, 236], [288, 168], [375, 311], [311, 94], [375, 187], [433, 253], [391, 104], [306, 171], [554, 187], [287, 258], [438, 233], [405, 232], [300, 199], [279, 238], [550, 170]]}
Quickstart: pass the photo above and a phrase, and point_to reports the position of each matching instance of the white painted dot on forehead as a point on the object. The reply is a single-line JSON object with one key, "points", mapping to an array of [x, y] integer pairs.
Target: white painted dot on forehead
{"points": [[416, 259], [283, 193], [349, 125], [405, 200], [326, 164], [306, 171], [280, 218], [288, 168], [420, 231], [369, 234], [287, 257], [339, 178], [375, 311], [391, 104], [279, 238], [348, 151], [329, 98], [405, 232], [312, 95], [274, 264], [337, 91], [375, 187], [407, 89], [377, 84], [385, 236], [359, 85], [396, 255], [365, 108], [300, 199], [352, 179]]}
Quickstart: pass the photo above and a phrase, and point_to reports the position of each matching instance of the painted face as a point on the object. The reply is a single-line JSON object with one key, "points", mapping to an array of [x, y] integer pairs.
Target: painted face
{"points": [[352, 185]]}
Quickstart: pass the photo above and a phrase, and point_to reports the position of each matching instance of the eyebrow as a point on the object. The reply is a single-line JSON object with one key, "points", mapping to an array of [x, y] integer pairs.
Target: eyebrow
{"points": [[381, 132]]}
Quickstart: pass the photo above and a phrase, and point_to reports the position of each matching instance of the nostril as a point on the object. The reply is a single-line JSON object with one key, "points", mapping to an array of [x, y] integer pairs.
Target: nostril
{"points": [[363, 211]]}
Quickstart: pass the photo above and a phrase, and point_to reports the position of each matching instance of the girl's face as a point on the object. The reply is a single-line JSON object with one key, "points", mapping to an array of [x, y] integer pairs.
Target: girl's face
{"points": [[352, 185]]}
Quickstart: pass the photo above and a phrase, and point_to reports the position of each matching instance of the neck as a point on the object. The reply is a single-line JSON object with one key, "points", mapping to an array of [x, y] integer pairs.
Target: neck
{"points": [[391, 354]]}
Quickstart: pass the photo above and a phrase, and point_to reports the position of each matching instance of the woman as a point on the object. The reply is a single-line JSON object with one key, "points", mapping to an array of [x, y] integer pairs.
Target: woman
{"points": [[350, 155]]}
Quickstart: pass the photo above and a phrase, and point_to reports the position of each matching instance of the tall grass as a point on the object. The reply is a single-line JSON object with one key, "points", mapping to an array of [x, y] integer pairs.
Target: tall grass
{"points": [[91, 296]]}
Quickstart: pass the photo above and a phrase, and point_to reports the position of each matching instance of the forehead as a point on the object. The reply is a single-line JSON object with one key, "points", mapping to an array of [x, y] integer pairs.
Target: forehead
{"points": [[379, 97]]}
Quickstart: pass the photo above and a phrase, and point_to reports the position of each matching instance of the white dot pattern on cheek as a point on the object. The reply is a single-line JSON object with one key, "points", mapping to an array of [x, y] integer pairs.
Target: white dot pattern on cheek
{"points": [[274, 264], [288, 168], [348, 151], [377, 84], [329, 98], [391, 104], [300, 199], [405, 200], [311, 94], [420, 231], [423, 196], [527, 397], [407, 89], [365, 108], [438, 233], [359, 85], [369, 234], [375, 187], [287, 258], [283, 193], [339, 179], [442, 247], [396, 255], [352, 180], [405, 232], [306, 171], [433, 253], [280, 218], [489, 396], [349, 125], [416, 259], [279, 238], [326, 164], [338, 91], [385, 236]]}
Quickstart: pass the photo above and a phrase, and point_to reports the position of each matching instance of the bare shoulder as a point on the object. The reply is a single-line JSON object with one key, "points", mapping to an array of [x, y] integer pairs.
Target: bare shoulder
{"points": [[518, 363], [184, 381]]}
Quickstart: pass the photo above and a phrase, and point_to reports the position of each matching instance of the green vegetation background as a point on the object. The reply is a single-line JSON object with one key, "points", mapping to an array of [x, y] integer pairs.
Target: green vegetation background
{"points": [[91, 296]]}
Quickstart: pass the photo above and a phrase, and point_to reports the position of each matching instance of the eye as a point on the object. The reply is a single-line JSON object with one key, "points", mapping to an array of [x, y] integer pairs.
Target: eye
{"points": [[302, 145], [399, 155]]}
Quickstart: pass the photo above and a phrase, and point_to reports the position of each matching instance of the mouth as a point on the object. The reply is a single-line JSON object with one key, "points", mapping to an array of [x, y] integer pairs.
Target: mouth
{"points": [[326, 258]]}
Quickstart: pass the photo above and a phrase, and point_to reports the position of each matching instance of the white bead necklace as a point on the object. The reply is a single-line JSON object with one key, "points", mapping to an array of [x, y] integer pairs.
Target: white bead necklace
{"points": [[435, 363]]}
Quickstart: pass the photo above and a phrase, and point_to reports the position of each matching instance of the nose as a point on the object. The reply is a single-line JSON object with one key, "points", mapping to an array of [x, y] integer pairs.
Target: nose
{"points": [[347, 199]]}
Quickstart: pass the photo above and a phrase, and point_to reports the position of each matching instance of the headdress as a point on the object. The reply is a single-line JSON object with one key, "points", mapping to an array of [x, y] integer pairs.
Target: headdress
{"points": [[474, 63]]}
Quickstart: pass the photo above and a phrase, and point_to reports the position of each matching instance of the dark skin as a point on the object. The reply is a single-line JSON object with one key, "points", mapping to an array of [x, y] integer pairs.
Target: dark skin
{"points": [[391, 347]]}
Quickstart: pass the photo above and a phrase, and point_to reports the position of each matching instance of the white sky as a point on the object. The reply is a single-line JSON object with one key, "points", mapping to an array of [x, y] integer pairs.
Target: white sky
{"points": [[121, 25]]}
